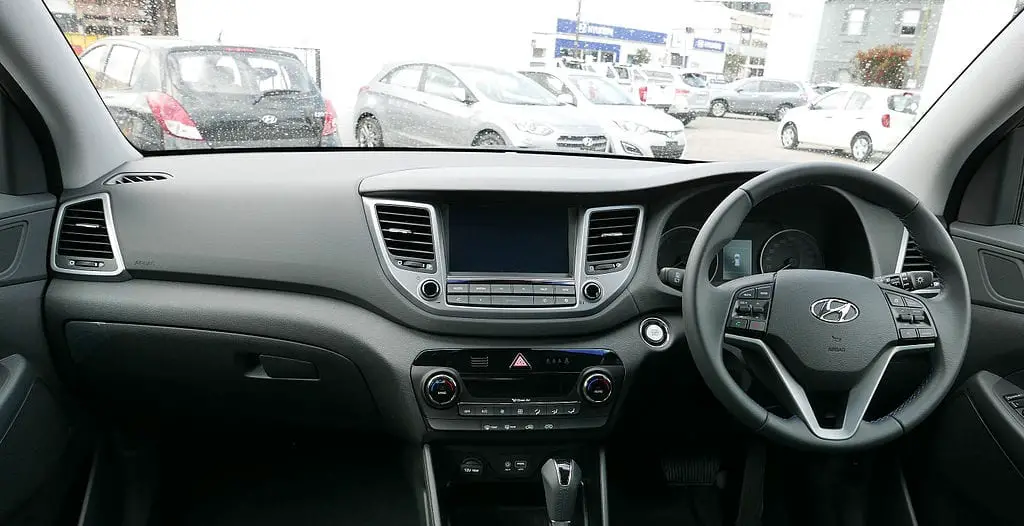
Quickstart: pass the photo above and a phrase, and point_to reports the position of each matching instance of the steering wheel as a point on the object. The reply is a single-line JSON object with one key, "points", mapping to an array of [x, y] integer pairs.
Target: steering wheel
{"points": [[827, 333]]}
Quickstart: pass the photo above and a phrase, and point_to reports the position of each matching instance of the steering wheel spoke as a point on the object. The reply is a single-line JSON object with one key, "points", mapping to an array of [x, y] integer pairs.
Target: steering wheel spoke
{"points": [[857, 399], [911, 313]]}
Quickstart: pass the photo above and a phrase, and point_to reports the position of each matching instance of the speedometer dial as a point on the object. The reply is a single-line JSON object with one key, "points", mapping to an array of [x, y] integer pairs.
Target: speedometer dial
{"points": [[790, 249]]}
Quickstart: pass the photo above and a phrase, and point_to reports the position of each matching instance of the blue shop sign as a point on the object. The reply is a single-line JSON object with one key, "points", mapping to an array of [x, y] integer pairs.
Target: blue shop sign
{"points": [[708, 45], [567, 26], [568, 43]]}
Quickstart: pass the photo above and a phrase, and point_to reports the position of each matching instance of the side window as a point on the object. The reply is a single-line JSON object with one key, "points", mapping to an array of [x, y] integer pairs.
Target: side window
{"points": [[622, 72], [771, 86], [752, 86], [790, 87], [405, 77], [93, 62], [120, 65], [440, 82], [832, 101], [857, 101]]}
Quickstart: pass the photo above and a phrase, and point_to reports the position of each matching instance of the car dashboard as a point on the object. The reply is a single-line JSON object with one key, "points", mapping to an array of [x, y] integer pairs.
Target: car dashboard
{"points": [[428, 294]]}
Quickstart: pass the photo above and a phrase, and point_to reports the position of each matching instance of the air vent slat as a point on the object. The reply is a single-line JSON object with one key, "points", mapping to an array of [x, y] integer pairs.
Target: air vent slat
{"points": [[407, 232], [610, 236], [83, 231], [914, 260], [138, 178]]}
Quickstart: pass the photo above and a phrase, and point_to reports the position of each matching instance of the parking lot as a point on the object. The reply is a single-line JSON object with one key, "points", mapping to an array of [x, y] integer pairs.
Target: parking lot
{"points": [[741, 138]]}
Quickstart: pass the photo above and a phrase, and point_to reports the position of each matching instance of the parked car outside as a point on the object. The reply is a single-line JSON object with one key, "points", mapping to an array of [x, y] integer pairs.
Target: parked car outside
{"points": [[697, 92], [634, 129], [463, 105], [171, 94], [770, 98], [666, 91], [859, 120], [715, 79]]}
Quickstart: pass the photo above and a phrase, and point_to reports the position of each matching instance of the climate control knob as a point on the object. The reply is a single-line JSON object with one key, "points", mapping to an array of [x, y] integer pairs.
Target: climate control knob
{"points": [[597, 388], [441, 390]]}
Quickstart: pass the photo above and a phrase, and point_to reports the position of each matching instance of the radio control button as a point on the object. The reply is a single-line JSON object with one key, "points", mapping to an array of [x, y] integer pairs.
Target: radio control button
{"points": [[565, 300], [458, 288], [479, 288], [522, 289], [479, 300], [565, 290], [544, 301], [458, 299], [501, 289], [543, 289]]}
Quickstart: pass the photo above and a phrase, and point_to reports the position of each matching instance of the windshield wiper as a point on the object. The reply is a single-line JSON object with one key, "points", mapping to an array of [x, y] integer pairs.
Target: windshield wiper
{"points": [[274, 93]]}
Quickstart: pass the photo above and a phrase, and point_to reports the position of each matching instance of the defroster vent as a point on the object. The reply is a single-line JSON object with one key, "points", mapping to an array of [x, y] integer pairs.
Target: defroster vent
{"points": [[610, 238], [408, 235]]}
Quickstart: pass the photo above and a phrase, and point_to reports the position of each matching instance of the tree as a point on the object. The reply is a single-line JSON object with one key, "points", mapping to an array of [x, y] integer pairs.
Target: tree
{"points": [[884, 66], [734, 63], [643, 56]]}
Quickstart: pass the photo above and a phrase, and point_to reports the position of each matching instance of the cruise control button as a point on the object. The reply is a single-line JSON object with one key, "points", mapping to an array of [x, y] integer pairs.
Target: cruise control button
{"points": [[759, 307], [744, 307]]}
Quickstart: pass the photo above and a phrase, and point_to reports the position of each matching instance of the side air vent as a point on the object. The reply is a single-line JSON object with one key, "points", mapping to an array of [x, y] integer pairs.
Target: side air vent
{"points": [[138, 178], [913, 259], [610, 237], [408, 235], [85, 243]]}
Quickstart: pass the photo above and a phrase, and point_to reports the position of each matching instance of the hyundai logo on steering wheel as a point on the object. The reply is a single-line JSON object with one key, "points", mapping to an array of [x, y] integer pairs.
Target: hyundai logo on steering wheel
{"points": [[834, 310]]}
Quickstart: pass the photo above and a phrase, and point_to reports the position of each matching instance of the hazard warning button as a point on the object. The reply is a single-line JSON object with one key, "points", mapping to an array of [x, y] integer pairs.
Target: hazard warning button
{"points": [[520, 363]]}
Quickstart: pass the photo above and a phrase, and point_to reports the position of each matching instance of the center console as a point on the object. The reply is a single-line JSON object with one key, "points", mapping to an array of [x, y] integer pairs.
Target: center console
{"points": [[493, 258]]}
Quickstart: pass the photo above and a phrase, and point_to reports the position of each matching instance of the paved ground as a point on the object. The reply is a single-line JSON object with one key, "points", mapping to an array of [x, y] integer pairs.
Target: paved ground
{"points": [[740, 138]]}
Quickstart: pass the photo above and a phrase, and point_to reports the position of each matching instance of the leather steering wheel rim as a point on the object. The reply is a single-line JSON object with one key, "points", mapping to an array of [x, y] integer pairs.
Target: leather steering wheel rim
{"points": [[707, 308]]}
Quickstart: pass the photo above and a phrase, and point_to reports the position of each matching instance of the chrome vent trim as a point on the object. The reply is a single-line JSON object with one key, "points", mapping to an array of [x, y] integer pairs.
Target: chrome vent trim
{"points": [[408, 233], [612, 236], [129, 178]]}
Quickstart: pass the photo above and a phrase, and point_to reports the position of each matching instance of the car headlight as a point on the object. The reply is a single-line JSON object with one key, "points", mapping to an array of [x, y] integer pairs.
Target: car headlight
{"points": [[632, 127], [534, 128]]}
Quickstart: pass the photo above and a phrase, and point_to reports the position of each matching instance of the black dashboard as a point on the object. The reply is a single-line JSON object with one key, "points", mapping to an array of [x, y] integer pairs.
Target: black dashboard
{"points": [[345, 274]]}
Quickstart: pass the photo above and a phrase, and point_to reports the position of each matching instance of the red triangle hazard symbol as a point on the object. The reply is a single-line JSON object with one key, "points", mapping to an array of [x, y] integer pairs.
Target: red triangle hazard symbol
{"points": [[520, 362]]}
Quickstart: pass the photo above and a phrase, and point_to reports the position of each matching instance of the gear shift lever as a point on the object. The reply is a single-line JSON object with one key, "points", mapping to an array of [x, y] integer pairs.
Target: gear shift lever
{"points": [[562, 478]]}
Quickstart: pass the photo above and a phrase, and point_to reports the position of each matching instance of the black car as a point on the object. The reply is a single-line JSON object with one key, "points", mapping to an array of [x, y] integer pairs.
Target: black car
{"points": [[170, 94]]}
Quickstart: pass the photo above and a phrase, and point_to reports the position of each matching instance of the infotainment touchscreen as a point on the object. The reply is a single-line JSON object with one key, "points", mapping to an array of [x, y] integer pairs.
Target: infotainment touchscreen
{"points": [[509, 239]]}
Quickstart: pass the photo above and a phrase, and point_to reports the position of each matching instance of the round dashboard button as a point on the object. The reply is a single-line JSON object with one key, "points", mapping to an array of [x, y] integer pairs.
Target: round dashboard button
{"points": [[441, 390], [597, 388]]}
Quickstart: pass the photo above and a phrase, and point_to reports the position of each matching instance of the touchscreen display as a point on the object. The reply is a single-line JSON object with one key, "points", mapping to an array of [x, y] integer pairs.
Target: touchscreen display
{"points": [[737, 259], [511, 239]]}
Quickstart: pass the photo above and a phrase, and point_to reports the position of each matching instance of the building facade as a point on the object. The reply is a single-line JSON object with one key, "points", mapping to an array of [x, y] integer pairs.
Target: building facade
{"points": [[599, 42], [849, 26]]}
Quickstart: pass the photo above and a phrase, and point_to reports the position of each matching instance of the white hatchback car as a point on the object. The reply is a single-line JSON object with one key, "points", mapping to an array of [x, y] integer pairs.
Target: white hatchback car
{"points": [[858, 119], [632, 127]]}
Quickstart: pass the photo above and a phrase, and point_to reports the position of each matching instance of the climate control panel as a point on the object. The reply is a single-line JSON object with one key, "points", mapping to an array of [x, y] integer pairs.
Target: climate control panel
{"points": [[517, 389]]}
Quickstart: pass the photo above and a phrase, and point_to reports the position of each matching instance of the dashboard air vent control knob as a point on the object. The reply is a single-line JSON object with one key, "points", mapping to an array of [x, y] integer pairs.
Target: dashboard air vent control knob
{"points": [[597, 388], [592, 290], [429, 289], [441, 390]]}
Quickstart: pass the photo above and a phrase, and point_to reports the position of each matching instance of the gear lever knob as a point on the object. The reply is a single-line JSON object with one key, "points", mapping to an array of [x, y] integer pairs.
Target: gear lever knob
{"points": [[562, 478]]}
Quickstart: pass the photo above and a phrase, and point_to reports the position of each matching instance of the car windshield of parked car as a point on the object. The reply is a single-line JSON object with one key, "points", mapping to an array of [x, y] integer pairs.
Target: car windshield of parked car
{"points": [[506, 87], [202, 76], [601, 91]]}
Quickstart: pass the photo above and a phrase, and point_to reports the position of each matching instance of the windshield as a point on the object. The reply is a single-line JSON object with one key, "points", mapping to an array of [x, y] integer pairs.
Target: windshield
{"points": [[601, 91], [204, 76]]}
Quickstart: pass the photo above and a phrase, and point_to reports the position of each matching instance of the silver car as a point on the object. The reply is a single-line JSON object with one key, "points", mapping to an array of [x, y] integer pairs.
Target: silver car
{"points": [[770, 98], [461, 105]]}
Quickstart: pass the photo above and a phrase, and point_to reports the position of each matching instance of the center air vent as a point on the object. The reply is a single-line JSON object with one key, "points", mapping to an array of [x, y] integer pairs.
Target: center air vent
{"points": [[85, 243], [610, 238], [913, 259], [138, 178], [408, 235]]}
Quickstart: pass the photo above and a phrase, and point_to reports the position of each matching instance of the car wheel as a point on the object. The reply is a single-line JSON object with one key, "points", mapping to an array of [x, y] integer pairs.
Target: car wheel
{"points": [[369, 133], [719, 108], [790, 139], [861, 148], [780, 113], [488, 139]]}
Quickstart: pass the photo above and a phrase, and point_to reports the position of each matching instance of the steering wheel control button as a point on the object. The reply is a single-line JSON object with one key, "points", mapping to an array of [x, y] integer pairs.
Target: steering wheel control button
{"points": [[441, 390], [738, 323], [764, 293], [597, 388], [926, 334], [895, 300], [908, 334], [757, 325], [747, 294], [671, 276], [592, 291], [654, 332], [911, 302]]}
